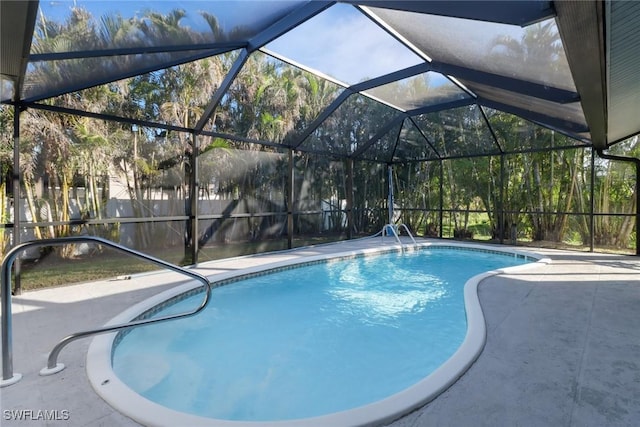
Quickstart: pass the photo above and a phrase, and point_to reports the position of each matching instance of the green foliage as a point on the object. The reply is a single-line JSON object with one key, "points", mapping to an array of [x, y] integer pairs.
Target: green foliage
{"points": [[544, 193]]}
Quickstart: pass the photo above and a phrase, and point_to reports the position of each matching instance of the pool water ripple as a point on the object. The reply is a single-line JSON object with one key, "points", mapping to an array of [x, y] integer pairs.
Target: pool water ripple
{"points": [[307, 341]]}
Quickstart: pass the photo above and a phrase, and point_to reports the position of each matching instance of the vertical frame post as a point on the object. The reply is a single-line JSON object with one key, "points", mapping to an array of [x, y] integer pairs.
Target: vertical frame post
{"points": [[290, 182], [349, 197], [191, 243], [441, 198], [195, 194], [390, 192], [502, 192], [592, 209], [17, 211]]}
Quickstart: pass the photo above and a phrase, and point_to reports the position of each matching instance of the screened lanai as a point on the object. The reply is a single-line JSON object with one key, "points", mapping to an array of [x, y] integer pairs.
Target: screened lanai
{"points": [[204, 129]]}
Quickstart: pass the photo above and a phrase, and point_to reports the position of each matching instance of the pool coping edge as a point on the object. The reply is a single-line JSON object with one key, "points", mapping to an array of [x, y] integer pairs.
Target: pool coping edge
{"points": [[107, 385]]}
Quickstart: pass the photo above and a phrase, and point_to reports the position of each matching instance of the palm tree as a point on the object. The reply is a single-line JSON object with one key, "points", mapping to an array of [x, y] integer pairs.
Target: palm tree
{"points": [[540, 49], [538, 54]]}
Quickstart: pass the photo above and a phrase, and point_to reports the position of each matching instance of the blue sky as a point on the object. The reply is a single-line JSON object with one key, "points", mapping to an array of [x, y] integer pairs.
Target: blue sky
{"points": [[353, 49], [252, 12]]}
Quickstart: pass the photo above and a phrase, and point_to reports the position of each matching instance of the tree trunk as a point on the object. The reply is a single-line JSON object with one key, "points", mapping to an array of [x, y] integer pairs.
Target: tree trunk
{"points": [[28, 191]]}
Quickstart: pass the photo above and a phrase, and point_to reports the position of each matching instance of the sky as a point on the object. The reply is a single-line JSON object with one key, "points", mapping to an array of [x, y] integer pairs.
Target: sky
{"points": [[253, 12], [344, 52]]}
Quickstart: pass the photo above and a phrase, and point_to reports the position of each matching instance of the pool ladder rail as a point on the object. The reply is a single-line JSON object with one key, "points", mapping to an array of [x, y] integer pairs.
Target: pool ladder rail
{"points": [[393, 230], [8, 376]]}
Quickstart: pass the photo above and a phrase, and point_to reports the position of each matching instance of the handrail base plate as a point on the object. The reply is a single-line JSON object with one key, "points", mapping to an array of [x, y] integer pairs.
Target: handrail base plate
{"points": [[14, 379], [50, 371]]}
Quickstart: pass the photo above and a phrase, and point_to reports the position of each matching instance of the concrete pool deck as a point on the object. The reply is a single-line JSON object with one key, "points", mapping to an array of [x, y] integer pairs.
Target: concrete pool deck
{"points": [[562, 345]]}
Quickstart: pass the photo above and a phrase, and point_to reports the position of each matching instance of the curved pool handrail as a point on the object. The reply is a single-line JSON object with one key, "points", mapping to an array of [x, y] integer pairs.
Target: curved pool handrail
{"points": [[391, 229], [53, 367], [408, 232]]}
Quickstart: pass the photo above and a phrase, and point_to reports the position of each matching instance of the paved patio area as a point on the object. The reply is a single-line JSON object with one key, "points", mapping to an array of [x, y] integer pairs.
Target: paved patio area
{"points": [[563, 345]]}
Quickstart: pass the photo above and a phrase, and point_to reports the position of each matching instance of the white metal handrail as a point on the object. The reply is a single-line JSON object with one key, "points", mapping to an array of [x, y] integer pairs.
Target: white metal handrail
{"points": [[395, 233], [409, 233], [8, 376]]}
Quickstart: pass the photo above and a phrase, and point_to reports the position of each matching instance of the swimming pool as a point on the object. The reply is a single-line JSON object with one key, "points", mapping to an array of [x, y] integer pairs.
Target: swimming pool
{"points": [[327, 340]]}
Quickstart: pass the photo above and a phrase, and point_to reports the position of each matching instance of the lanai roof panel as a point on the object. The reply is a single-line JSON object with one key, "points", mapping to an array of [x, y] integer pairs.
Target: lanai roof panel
{"points": [[146, 92], [352, 128], [515, 134], [412, 144], [533, 53], [458, 132], [78, 44], [383, 148], [46, 79], [423, 90], [6, 89], [353, 49], [568, 116], [144, 23], [271, 100], [509, 46]]}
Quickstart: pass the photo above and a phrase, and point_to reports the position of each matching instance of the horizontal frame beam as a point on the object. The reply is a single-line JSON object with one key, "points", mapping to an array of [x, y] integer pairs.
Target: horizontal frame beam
{"points": [[102, 116], [536, 90], [566, 125], [513, 12], [82, 54]]}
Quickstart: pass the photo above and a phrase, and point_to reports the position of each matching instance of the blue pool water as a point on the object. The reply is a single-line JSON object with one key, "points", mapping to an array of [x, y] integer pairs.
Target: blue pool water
{"points": [[307, 341]]}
